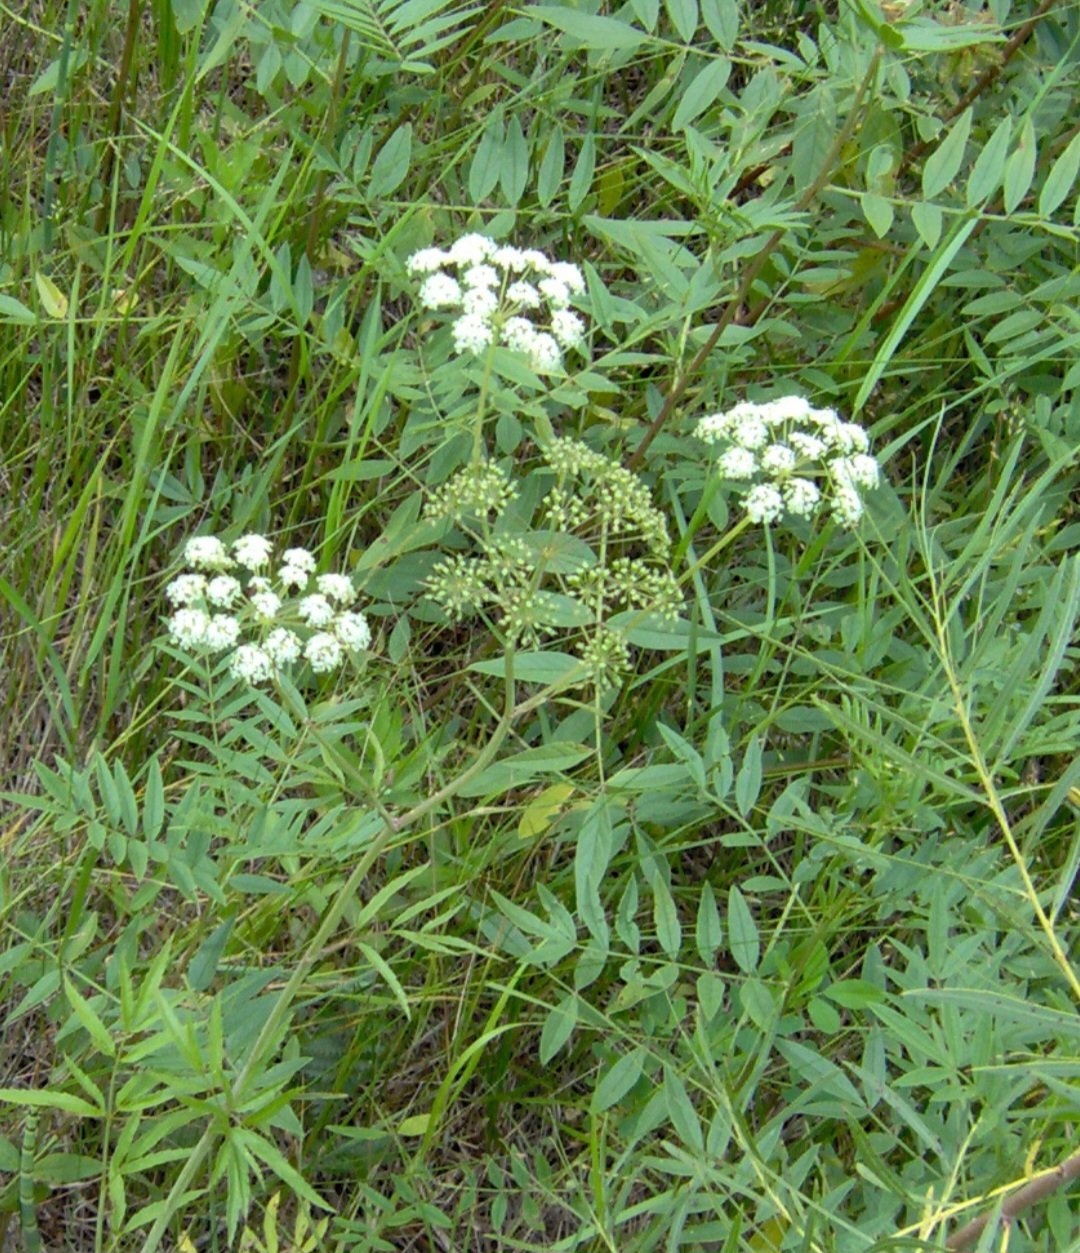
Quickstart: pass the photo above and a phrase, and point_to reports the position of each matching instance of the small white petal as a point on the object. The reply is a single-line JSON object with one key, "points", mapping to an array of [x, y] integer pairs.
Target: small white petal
{"points": [[324, 652], [252, 551]]}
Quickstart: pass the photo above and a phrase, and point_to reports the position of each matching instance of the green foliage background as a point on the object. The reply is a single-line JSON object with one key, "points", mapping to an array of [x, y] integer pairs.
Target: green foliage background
{"points": [[769, 949]]}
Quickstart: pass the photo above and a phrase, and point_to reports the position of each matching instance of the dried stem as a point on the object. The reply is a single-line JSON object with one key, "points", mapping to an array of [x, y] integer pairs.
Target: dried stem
{"points": [[1034, 1191]]}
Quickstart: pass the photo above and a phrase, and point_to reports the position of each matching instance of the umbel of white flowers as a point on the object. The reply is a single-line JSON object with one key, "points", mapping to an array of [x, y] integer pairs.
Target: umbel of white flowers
{"points": [[286, 613], [786, 456], [516, 297]]}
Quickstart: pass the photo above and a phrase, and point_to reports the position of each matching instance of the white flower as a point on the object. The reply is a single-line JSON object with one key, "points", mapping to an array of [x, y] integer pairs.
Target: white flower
{"points": [[206, 552], [282, 647], [556, 292], [250, 663], [801, 497], [298, 559], [266, 605], [252, 551], [479, 302], [222, 631], [471, 249], [336, 587], [293, 576], [426, 260], [324, 652], [847, 505], [569, 275], [788, 434], [747, 429], [738, 463], [535, 260], [508, 258], [316, 610], [790, 409], [353, 631], [188, 627], [186, 588], [481, 276], [491, 301], [712, 428], [518, 334], [545, 354], [763, 503], [852, 438], [524, 294], [808, 446], [440, 291], [223, 591], [472, 333], [567, 327], [857, 471], [777, 459], [258, 583]]}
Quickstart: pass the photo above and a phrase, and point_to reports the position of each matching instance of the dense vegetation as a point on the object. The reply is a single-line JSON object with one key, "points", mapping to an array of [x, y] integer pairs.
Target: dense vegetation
{"points": [[661, 874]]}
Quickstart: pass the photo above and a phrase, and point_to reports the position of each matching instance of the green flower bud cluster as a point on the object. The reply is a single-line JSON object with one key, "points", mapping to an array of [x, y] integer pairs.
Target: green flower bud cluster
{"points": [[599, 548]]}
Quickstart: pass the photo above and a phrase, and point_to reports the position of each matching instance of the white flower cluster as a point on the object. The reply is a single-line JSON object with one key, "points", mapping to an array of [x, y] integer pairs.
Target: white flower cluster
{"points": [[291, 613], [793, 457], [517, 297]]}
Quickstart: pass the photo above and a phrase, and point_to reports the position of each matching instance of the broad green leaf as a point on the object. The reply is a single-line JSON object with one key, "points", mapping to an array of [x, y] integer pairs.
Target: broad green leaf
{"points": [[665, 916], [415, 1125], [49, 78], [552, 168], [685, 752], [514, 169], [187, 14], [582, 177], [684, 17], [487, 160], [88, 1020], [592, 854], [525, 767], [742, 933], [927, 219], [1059, 182], [153, 807], [558, 1026], [878, 212], [709, 931], [391, 166], [985, 176], [748, 780], [549, 668], [812, 1069], [943, 164], [710, 994], [681, 1111], [543, 809], [854, 993], [722, 19], [53, 300], [618, 1080], [701, 92], [586, 30], [203, 965], [1020, 168], [43, 1098], [647, 13], [12, 310]]}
